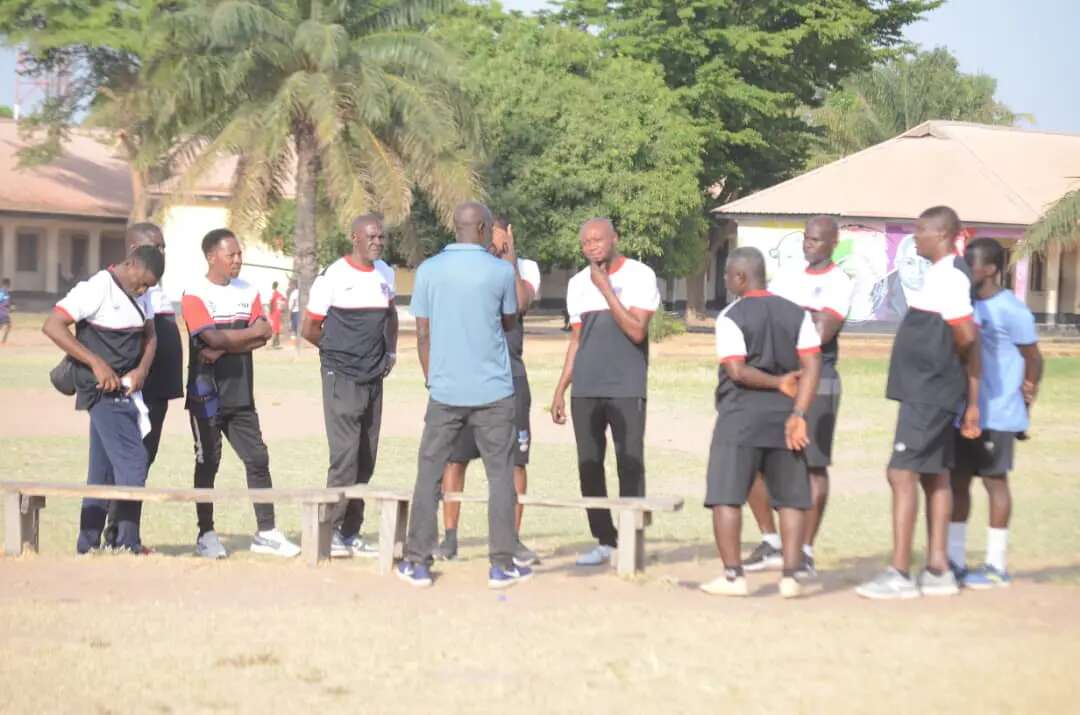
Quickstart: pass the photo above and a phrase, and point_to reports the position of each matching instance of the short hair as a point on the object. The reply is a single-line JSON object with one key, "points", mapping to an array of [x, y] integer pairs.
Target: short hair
{"points": [[945, 216], [150, 258], [361, 221], [274, 284], [830, 221], [603, 220], [986, 251], [501, 221], [752, 259], [143, 232], [212, 239]]}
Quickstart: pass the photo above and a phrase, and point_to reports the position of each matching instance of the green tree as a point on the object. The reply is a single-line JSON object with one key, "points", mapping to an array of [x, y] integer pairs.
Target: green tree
{"points": [[6, 112], [898, 94], [572, 132], [346, 94], [1059, 226]]}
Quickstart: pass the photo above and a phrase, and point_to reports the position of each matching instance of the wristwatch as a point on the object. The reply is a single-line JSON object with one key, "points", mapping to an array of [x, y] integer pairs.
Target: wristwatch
{"points": [[796, 412]]}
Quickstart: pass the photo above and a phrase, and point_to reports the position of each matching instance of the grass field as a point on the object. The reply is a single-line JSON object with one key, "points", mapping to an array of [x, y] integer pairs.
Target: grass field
{"points": [[170, 633]]}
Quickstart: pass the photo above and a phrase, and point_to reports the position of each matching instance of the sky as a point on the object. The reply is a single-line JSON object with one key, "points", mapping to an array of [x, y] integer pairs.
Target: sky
{"points": [[1027, 45]]}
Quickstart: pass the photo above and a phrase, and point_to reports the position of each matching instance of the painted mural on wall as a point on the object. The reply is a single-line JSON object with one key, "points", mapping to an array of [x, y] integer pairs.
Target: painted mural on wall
{"points": [[880, 258]]}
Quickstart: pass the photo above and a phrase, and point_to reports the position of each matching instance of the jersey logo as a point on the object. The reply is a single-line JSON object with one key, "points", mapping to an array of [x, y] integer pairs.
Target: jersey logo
{"points": [[900, 447]]}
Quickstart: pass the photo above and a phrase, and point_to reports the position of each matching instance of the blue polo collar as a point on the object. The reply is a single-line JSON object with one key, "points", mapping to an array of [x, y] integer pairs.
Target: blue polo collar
{"points": [[464, 247]]}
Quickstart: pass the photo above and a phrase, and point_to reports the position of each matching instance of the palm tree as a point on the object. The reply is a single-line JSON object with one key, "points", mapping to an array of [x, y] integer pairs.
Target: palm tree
{"points": [[1060, 225], [344, 94]]}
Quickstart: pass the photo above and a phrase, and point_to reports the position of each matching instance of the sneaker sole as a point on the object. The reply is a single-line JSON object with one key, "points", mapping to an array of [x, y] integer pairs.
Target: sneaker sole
{"points": [[270, 551], [941, 591], [499, 585], [365, 554], [211, 557], [891, 596], [987, 586], [770, 564], [791, 591], [742, 592], [414, 582], [525, 562]]}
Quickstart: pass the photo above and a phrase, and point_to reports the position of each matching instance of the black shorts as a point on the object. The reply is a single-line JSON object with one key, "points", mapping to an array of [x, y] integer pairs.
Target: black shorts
{"points": [[732, 469], [991, 455], [821, 423], [465, 449], [924, 441]]}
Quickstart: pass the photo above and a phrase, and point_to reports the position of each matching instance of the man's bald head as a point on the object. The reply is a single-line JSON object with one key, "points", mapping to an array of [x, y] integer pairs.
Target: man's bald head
{"points": [[599, 240], [745, 270], [819, 240], [144, 234], [361, 222], [472, 223]]}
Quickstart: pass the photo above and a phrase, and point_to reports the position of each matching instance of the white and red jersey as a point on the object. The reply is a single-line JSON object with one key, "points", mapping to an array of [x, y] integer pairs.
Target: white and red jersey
{"points": [[824, 290]]}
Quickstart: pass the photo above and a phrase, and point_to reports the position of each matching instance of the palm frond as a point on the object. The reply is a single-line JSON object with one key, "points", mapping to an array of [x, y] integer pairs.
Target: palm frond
{"points": [[1060, 226]]}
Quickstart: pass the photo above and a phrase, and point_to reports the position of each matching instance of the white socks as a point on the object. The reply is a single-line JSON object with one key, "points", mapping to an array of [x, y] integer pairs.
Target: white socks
{"points": [[772, 540], [958, 543], [808, 550], [997, 543]]}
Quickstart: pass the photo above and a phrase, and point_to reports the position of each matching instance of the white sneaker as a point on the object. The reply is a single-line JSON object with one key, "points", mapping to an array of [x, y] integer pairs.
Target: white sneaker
{"points": [[364, 549], [724, 586], [209, 546], [274, 543], [597, 557]]}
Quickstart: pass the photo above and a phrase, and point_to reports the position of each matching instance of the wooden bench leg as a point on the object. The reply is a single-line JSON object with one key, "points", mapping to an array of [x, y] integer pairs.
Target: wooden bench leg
{"points": [[315, 534], [21, 522], [393, 520], [631, 555]]}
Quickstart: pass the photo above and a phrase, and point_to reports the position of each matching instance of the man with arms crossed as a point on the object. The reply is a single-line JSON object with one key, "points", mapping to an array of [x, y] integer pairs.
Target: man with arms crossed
{"points": [[464, 301], [527, 287], [610, 302], [770, 364], [1011, 372], [935, 356], [113, 348], [352, 320], [226, 323], [825, 290]]}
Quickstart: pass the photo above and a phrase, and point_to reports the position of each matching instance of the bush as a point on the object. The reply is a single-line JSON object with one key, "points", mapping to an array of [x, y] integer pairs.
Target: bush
{"points": [[664, 325]]}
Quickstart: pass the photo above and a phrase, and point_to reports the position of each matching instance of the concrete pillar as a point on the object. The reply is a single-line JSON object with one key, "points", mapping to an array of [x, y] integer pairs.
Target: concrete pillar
{"points": [[93, 251], [1053, 283], [52, 259], [8, 262]]}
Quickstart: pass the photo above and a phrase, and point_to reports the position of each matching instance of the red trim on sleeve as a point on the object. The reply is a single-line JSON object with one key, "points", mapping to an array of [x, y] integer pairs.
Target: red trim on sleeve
{"points": [[195, 314], [359, 267], [810, 351], [739, 358], [61, 311], [964, 319], [256, 309], [833, 312], [315, 316]]}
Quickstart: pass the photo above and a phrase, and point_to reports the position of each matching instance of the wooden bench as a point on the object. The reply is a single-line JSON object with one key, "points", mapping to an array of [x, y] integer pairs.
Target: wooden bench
{"points": [[23, 502], [632, 515], [393, 508]]}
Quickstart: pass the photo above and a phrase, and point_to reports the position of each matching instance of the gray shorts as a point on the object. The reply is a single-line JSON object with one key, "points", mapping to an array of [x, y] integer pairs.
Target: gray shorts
{"points": [[465, 449], [821, 423], [732, 469]]}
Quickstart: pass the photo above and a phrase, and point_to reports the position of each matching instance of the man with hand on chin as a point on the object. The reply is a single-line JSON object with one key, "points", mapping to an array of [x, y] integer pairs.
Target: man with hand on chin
{"points": [[610, 302]]}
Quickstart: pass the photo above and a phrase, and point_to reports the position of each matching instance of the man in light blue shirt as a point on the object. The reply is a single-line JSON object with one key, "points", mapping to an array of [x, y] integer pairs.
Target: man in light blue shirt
{"points": [[464, 301], [1011, 370]]}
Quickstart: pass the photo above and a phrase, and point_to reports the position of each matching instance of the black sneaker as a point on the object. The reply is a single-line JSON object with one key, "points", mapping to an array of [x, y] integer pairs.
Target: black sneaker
{"points": [[447, 550], [806, 570], [764, 558], [524, 556]]}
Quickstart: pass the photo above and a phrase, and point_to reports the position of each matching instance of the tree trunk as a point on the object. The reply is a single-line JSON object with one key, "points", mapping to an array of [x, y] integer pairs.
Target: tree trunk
{"points": [[139, 208], [305, 263], [695, 283]]}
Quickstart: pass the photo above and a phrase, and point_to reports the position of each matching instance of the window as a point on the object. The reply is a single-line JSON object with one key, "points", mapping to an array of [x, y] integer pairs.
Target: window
{"points": [[26, 251], [1037, 274]]}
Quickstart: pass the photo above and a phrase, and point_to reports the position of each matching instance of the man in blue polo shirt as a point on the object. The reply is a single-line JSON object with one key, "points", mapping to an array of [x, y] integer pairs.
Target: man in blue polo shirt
{"points": [[464, 301]]}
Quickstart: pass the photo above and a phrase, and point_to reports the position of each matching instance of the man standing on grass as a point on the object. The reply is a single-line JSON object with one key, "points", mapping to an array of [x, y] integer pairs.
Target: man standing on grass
{"points": [[294, 310], [465, 302], [527, 287], [770, 365], [113, 348], [611, 302], [5, 309], [825, 291], [1011, 372], [165, 381], [935, 356], [226, 323], [277, 307], [352, 320]]}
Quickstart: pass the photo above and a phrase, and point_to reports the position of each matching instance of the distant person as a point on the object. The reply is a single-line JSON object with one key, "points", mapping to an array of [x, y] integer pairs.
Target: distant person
{"points": [[351, 319], [611, 302], [1011, 372], [113, 349], [166, 379], [277, 306], [465, 302], [226, 323], [825, 291], [935, 358], [770, 363], [294, 309], [527, 287], [5, 308]]}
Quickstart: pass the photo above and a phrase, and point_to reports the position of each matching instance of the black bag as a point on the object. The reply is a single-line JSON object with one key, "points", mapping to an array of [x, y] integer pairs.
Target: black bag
{"points": [[63, 376]]}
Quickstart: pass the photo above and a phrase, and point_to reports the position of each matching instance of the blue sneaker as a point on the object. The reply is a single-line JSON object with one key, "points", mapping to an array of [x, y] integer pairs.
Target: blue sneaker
{"points": [[498, 577], [418, 575], [959, 571], [986, 577]]}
